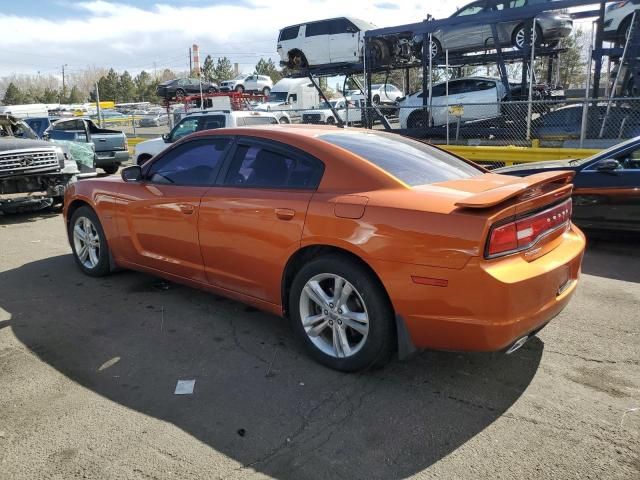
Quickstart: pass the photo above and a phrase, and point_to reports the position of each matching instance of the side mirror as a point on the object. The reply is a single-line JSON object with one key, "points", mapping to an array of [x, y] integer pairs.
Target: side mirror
{"points": [[608, 165], [165, 137], [132, 173]]}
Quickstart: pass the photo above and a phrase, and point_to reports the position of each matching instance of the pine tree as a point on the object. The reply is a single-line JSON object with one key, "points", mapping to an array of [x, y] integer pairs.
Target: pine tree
{"points": [[224, 70], [208, 69], [75, 96], [126, 87], [143, 86], [13, 95], [268, 67], [109, 86]]}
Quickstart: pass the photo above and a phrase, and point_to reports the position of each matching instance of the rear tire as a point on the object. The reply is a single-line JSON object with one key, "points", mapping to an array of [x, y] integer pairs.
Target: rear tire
{"points": [[89, 243], [349, 332], [179, 94], [111, 169], [284, 121], [266, 91], [418, 119], [297, 60], [240, 88], [519, 37], [331, 120]]}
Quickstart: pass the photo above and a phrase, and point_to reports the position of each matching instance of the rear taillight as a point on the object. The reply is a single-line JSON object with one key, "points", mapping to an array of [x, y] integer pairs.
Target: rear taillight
{"points": [[527, 231]]}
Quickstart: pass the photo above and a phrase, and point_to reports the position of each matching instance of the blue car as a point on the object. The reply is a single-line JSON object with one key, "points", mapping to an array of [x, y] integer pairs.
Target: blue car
{"points": [[606, 186]]}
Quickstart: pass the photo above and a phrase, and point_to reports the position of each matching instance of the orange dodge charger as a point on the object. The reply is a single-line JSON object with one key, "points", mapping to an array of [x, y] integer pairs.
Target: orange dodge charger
{"points": [[369, 242]]}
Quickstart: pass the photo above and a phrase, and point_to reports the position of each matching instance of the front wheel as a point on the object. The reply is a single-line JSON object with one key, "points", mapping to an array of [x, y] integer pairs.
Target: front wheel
{"points": [[89, 243], [266, 91], [342, 314], [283, 120], [240, 88]]}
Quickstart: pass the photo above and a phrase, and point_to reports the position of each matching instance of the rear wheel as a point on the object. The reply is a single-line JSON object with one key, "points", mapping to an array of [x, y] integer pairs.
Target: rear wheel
{"points": [[519, 38], [379, 52], [111, 169], [297, 60], [283, 120], [240, 88], [179, 94], [266, 91], [418, 119], [330, 120], [435, 48], [89, 243], [342, 314]]}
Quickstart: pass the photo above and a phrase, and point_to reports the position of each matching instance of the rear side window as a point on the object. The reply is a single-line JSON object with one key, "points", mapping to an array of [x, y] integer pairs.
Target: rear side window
{"points": [[319, 28], [211, 122], [261, 167], [411, 162], [289, 33]]}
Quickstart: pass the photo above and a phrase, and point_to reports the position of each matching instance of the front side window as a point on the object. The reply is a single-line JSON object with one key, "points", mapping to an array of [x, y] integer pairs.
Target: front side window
{"points": [[194, 163], [411, 162], [472, 9], [261, 167], [184, 128]]}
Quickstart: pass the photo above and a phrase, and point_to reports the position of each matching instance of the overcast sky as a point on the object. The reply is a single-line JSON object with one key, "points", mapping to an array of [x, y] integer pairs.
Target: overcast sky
{"points": [[41, 35]]}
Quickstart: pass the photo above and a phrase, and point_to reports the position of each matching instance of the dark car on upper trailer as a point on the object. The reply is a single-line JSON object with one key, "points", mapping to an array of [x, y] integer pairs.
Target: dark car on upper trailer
{"points": [[606, 186], [181, 87]]}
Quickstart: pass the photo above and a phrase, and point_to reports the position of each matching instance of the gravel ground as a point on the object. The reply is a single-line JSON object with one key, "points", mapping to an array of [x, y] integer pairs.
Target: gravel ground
{"points": [[88, 369]]}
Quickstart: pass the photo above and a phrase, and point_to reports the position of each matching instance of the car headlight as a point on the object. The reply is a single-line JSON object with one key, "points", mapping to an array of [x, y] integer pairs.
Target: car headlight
{"points": [[616, 5]]}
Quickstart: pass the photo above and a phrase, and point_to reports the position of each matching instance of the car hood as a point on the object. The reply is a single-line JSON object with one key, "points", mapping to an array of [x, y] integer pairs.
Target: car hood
{"points": [[540, 166], [153, 142], [22, 143]]}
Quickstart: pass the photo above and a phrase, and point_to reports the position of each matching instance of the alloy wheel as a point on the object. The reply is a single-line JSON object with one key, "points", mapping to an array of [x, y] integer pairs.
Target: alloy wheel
{"points": [[521, 37], [334, 315], [86, 241]]}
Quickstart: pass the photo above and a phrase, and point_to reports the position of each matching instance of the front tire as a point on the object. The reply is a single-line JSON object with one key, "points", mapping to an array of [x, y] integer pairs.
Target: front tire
{"points": [[283, 121], [89, 243], [519, 37], [418, 119], [240, 88], [341, 314], [266, 91]]}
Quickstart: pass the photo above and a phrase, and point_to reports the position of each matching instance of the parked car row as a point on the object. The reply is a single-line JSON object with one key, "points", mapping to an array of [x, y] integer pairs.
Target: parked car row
{"points": [[181, 87]]}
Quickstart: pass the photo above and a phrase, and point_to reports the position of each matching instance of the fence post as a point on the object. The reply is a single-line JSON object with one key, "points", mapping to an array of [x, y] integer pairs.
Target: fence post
{"points": [[532, 41], [585, 107], [133, 123]]}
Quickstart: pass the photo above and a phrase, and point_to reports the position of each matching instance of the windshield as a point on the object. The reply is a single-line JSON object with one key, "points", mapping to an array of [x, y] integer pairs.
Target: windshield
{"points": [[605, 153], [278, 97], [242, 76], [411, 162]]}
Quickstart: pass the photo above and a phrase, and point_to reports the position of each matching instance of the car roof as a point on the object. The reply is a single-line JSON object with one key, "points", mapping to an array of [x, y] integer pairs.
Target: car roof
{"points": [[361, 24]]}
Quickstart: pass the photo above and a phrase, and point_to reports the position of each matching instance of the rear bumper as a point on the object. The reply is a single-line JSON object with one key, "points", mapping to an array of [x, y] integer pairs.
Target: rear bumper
{"points": [[487, 305], [106, 159]]}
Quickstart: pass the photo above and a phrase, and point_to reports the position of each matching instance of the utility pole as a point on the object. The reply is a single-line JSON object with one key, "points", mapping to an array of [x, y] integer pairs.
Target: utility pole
{"points": [[98, 109], [190, 62], [64, 92]]}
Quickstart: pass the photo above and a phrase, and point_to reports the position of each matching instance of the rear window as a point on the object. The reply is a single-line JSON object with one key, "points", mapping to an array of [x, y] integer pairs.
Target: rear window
{"points": [[260, 120], [289, 33], [411, 162]]}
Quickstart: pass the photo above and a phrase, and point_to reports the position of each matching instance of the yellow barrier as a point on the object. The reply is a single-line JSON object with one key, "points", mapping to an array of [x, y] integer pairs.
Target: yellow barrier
{"points": [[133, 141], [510, 154]]}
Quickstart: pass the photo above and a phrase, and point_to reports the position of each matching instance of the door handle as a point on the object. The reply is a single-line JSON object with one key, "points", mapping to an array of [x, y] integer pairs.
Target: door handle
{"points": [[186, 208], [285, 213]]}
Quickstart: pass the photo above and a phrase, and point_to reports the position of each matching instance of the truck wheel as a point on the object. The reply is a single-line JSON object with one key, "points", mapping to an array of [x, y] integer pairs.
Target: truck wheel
{"points": [[111, 169], [89, 243], [330, 120], [297, 60], [284, 120], [142, 159]]}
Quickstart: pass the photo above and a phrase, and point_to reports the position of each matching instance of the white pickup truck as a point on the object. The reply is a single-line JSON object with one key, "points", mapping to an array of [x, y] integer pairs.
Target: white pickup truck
{"points": [[289, 97], [202, 120], [349, 110]]}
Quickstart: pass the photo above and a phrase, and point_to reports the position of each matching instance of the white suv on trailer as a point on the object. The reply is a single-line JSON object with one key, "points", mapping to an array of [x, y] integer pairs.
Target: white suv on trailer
{"points": [[479, 97], [248, 83], [617, 20], [323, 42]]}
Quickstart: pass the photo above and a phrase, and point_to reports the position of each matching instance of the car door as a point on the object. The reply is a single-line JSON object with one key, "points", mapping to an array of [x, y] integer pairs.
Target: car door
{"points": [[604, 198], [158, 216], [316, 42], [252, 221], [464, 37], [480, 99], [251, 83], [343, 41]]}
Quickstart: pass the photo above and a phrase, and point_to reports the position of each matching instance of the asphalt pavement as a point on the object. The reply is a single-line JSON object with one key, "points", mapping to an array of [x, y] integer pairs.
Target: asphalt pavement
{"points": [[88, 369]]}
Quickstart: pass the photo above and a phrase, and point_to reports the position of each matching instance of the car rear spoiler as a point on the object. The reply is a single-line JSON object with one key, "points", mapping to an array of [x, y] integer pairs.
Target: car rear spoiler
{"points": [[530, 187]]}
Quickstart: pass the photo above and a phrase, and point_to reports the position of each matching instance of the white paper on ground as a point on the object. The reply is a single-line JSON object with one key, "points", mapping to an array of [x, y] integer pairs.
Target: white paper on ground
{"points": [[184, 387]]}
